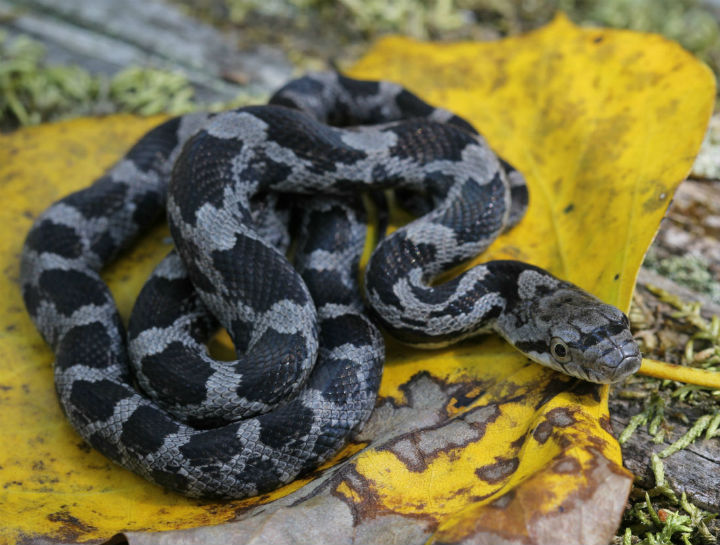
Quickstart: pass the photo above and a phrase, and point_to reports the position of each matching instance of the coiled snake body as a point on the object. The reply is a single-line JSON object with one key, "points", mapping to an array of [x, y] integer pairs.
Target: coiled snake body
{"points": [[308, 358]]}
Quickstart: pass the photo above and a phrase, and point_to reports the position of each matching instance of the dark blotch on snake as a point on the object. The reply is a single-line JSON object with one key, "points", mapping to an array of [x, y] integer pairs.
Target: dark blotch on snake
{"points": [[101, 199], [63, 239], [412, 104], [205, 160], [449, 143], [172, 373], [458, 121], [170, 479], [71, 289], [539, 347], [168, 301], [241, 334], [341, 295], [212, 446], [336, 368], [104, 247], [360, 87], [278, 286], [74, 348], [284, 350], [195, 271], [148, 208], [97, 398], [104, 445], [153, 148], [277, 430], [32, 298], [145, 431], [336, 328], [292, 130], [325, 235], [463, 217]]}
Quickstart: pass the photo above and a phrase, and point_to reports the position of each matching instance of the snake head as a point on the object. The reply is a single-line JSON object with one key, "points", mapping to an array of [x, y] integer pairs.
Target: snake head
{"points": [[572, 331]]}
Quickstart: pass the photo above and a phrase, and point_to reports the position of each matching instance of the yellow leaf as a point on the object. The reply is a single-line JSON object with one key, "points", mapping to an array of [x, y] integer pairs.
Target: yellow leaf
{"points": [[469, 443]]}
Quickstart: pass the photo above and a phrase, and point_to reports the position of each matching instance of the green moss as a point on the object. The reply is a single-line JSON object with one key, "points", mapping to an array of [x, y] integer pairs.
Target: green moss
{"points": [[148, 91], [33, 92], [661, 514], [419, 18], [658, 517], [653, 413]]}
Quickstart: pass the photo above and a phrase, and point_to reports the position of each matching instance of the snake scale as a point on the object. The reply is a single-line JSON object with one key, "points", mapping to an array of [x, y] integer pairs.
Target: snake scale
{"points": [[235, 186]]}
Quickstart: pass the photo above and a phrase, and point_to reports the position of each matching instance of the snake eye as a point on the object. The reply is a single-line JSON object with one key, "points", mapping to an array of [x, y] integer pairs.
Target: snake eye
{"points": [[559, 350]]}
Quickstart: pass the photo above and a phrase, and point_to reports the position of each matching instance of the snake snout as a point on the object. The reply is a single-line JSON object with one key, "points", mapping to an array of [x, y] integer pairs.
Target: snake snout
{"points": [[620, 361], [630, 362]]}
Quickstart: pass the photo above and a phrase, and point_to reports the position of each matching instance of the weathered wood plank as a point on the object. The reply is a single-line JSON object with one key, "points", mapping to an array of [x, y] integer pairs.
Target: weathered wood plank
{"points": [[695, 469], [106, 36]]}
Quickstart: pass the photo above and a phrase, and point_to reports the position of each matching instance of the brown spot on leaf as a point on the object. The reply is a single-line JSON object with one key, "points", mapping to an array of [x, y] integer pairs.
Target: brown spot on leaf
{"points": [[519, 516], [70, 527], [668, 109], [566, 464], [659, 198], [499, 471], [503, 501], [606, 424], [542, 432], [418, 448], [559, 417], [518, 443], [597, 442], [363, 500], [465, 394]]}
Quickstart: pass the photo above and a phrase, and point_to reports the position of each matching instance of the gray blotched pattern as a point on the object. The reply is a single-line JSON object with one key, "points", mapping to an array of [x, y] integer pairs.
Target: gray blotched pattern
{"points": [[308, 359]]}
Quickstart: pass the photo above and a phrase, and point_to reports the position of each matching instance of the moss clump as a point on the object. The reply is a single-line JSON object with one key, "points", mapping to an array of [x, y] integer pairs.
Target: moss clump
{"points": [[419, 18], [659, 517], [32, 92], [147, 91]]}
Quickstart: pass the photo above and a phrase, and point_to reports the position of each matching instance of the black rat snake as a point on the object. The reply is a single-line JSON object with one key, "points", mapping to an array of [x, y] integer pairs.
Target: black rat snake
{"points": [[308, 359]]}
